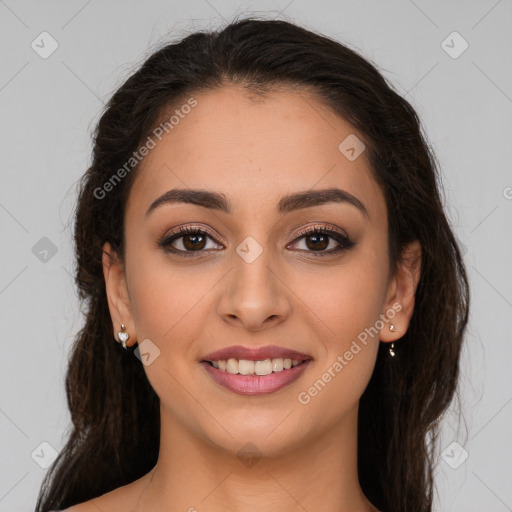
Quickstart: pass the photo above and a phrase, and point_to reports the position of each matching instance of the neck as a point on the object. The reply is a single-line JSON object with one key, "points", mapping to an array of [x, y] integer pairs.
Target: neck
{"points": [[193, 475]]}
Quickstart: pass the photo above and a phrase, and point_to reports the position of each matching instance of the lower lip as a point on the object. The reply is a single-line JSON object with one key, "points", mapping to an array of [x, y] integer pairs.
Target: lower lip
{"points": [[255, 384]]}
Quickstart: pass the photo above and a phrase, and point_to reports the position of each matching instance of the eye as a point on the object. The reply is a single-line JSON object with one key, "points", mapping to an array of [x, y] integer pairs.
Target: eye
{"points": [[192, 241], [187, 241], [318, 239]]}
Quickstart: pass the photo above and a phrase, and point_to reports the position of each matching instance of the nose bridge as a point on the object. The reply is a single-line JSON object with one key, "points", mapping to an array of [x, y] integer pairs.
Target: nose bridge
{"points": [[253, 275], [257, 273]]}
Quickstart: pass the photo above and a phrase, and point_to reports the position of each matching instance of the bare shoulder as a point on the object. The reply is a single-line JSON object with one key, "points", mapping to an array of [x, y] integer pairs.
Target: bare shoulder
{"points": [[82, 507], [86, 506], [105, 503], [94, 505], [118, 500]]}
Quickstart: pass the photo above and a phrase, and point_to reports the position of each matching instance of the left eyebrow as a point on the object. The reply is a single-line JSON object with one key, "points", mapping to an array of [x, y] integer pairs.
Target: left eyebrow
{"points": [[291, 202], [310, 198]]}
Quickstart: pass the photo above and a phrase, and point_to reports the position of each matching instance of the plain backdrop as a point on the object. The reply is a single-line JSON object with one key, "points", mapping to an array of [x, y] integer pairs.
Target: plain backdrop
{"points": [[461, 86]]}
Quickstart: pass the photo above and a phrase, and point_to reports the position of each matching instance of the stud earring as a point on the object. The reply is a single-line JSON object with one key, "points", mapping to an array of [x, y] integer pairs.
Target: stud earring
{"points": [[392, 328], [123, 336]]}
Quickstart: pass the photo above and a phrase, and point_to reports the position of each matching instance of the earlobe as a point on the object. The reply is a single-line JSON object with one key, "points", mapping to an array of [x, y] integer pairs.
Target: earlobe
{"points": [[401, 293], [117, 293]]}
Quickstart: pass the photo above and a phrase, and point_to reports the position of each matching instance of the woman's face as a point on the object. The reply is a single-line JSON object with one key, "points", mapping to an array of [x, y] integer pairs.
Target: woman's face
{"points": [[253, 278]]}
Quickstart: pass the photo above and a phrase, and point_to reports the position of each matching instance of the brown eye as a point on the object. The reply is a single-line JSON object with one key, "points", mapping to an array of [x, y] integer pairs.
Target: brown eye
{"points": [[194, 242], [317, 242], [323, 241], [188, 242]]}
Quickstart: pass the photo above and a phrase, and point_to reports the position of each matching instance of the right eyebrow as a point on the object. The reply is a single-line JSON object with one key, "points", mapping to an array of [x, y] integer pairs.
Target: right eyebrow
{"points": [[205, 198]]}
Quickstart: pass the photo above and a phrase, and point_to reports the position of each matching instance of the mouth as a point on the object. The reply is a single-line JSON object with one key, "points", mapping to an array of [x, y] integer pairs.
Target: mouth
{"points": [[255, 371]]}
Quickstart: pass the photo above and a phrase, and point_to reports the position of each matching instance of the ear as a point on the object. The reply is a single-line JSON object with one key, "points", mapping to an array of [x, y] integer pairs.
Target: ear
{"points": [[399, 305], [117, 294]]}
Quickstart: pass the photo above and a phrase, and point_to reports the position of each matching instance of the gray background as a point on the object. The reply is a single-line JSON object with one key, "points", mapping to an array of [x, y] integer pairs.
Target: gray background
{"points": [[49, 107]]}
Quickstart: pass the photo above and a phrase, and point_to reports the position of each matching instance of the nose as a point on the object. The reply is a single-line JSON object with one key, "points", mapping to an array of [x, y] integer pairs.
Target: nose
{"points": [[255, 296]]}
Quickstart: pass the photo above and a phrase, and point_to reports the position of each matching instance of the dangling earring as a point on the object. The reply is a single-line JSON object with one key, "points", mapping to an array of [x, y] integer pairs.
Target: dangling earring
{"points": [[392, 328], [123, 336]]}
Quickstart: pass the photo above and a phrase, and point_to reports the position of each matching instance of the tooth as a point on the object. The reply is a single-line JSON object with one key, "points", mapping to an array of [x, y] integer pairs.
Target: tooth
{"points": [[277, 364], [232, 366], [263, 367], [246, 367]]}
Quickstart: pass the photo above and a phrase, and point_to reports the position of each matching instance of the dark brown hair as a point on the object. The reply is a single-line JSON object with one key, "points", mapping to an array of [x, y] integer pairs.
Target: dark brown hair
{"points": [[114, 438]]}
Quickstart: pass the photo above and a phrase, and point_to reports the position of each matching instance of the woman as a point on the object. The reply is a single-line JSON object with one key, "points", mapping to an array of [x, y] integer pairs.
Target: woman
{"points": [[275, 302]]}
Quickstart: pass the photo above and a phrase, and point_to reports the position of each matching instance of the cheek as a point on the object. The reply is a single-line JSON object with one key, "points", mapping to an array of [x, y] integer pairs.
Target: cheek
{"points": [[347, 299], [349, 302], [168, 307], [166, 300], [348, 310], [344, 307], [171, 302]]}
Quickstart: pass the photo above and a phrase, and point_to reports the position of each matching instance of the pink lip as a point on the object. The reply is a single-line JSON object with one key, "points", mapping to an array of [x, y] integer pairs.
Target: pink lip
{"points": [[255, 384], [255, 354]]}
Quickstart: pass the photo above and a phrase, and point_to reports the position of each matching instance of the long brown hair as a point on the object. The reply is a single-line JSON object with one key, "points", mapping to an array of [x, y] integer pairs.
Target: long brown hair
{"points": [[115, 432]]}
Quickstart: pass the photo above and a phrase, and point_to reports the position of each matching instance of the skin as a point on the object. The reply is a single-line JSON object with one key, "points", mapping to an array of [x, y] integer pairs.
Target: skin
{"points": [[255, 152]]}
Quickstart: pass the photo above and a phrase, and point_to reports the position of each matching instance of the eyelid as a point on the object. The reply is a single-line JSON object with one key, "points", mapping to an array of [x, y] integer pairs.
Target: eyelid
{"points": [[191, 228], [321, 227]]}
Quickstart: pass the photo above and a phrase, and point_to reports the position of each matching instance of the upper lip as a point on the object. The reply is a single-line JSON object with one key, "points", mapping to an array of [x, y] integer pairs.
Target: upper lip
{"points": [[255, 354]]}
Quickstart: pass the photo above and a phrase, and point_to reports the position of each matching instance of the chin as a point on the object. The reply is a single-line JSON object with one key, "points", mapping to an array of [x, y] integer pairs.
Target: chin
{"points": [[257, 440]]}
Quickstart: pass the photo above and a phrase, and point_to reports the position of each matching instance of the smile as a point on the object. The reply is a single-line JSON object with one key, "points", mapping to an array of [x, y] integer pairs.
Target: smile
{"points": [[242, 377]]}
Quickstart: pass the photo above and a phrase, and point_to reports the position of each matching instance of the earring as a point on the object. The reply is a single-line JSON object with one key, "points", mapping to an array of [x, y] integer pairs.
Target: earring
{"points": [[123, 336], [392, 328]]}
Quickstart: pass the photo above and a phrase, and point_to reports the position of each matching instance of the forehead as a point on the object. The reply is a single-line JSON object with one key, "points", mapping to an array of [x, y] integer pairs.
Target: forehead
{"points": [[256, 149]]}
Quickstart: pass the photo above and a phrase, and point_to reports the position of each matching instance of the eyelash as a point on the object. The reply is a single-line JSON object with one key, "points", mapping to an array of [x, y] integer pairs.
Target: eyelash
{"points": [[343, 240]]}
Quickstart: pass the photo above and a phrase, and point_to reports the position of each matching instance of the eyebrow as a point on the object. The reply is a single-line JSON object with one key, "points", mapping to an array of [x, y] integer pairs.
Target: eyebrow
{"points": [[288, 203]]}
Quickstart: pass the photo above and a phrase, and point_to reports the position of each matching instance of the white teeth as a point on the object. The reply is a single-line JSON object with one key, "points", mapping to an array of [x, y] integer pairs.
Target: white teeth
{"points": [[232, 366], [246, 367], [277, 365], [263, 367]]}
